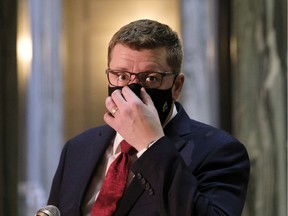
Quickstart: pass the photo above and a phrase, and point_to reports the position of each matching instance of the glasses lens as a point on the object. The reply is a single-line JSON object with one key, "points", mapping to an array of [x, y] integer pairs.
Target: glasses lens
{"points": [[118, 78], [150, 79]]}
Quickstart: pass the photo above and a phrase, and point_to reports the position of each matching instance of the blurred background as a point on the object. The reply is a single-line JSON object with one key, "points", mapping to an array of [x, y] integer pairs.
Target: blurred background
{"points": [[53, 84]]}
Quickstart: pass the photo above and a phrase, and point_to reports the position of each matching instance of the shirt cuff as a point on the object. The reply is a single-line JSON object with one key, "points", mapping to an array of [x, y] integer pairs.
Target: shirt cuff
{"points": [[143, 150]]}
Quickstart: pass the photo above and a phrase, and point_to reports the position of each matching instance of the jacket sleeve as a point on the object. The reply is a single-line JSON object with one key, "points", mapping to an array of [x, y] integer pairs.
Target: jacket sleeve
{"points": [[215, 185]]}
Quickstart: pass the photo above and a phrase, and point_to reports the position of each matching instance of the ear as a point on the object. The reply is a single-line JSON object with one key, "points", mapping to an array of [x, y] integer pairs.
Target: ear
{"points": [[177, 87]]}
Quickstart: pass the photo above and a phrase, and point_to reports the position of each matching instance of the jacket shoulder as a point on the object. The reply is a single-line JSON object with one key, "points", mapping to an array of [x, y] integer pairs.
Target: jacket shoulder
{"points": [[91, 134]]}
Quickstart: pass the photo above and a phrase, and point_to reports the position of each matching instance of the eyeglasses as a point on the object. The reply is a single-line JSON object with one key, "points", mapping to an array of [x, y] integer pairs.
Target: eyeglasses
{"points": [[147, 79]]}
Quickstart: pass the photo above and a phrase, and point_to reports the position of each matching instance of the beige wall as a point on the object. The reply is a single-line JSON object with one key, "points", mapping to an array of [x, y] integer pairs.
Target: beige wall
{"points": [[88, 27]]}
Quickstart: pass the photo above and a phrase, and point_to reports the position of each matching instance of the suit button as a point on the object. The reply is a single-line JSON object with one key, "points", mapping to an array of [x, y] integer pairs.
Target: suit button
{"points": [[150, 191], [143, 181], [139, 176], [147, 186]]}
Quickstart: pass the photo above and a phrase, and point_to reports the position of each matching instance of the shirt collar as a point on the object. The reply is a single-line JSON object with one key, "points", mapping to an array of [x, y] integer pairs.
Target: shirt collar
{"points": [[174, 113], [116, 144]]}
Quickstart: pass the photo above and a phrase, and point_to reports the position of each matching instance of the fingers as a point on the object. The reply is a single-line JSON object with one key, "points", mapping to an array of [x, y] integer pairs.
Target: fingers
{"points": [[129, 95], [125, 97], [114, 104], [110, 105], [114, 110], [145, 97], [119, 100]]}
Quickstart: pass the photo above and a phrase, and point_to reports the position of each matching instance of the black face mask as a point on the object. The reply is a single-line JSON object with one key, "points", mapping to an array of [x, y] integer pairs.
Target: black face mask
{"points": [[162, 99]]}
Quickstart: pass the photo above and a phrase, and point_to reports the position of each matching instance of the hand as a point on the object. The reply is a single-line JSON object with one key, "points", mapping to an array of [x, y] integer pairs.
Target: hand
{"points": [[135, 119]]}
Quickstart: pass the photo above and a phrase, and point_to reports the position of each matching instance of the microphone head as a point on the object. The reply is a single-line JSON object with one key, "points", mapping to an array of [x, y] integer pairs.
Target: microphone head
{"points": [[49, 210]]}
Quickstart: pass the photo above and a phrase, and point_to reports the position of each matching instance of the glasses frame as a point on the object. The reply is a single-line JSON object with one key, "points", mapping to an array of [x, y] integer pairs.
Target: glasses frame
{"points": [[163, 74]]}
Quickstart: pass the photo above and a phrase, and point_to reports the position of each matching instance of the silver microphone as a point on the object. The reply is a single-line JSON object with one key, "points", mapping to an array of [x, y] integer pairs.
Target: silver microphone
{"points": [[49, 210]]}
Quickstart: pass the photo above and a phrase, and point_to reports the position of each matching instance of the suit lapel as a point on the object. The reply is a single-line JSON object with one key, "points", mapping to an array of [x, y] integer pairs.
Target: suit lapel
{"points": [[130, 196], [96, 146]]}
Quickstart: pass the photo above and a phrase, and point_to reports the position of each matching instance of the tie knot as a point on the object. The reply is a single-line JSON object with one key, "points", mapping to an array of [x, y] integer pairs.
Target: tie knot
{"points": [[126, 148]]}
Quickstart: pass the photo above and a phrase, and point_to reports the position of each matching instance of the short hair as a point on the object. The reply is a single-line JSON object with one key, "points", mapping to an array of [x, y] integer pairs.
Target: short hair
{"points": [[150, 34]]}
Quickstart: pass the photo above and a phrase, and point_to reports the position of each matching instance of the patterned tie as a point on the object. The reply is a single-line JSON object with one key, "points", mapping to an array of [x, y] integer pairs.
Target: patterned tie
{"points": [[114, 183]]}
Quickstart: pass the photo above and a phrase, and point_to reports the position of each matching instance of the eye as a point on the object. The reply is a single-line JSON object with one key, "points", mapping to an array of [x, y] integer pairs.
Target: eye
{"points": [[153, 78], [122, 77]]}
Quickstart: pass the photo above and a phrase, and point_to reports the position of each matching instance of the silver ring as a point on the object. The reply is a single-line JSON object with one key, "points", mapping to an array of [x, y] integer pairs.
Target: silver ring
{"points": [[114, 110]]}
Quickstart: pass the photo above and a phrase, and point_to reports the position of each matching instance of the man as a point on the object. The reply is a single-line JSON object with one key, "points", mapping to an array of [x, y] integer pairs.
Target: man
{"points": [[180, 167]]}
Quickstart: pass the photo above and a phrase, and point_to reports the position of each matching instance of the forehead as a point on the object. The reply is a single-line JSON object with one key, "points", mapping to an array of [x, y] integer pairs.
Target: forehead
{"points": [[124, 57]]}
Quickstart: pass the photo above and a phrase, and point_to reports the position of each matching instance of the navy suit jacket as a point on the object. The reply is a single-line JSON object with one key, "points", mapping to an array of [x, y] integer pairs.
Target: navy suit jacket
{"points": [[195, 169]]}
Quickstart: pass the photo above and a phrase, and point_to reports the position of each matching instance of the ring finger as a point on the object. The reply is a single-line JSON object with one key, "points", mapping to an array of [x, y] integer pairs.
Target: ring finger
{"points": [[111, 106]]}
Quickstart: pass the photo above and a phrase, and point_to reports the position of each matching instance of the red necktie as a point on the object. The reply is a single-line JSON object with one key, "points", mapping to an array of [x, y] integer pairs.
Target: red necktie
{"points": [[114, 183]]}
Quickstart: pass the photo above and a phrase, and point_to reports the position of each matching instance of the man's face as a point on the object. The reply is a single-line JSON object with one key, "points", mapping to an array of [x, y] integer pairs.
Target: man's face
{"points": [[139, 61], [135, 61]]}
